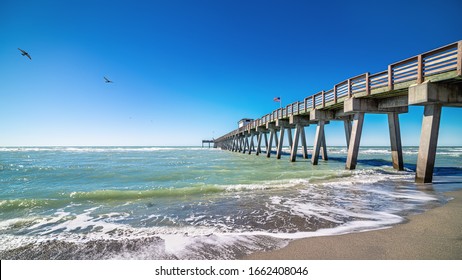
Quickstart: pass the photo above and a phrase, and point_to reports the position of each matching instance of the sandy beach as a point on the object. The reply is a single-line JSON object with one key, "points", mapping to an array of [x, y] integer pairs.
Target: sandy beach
{"points": [[433, 235]]}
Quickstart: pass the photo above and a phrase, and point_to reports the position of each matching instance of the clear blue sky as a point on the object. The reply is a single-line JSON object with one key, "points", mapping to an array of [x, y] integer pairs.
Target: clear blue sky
{"points": [[184, 71]]}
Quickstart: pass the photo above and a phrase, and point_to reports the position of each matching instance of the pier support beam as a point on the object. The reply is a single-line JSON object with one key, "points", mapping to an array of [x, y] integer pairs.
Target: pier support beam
{"points": [[347, 125], [299, 134], [272, 135], [322, 117], [281, 142], [289, 137], [276, 142], [395, 141], [261, 133], [233, 143], [239, 147], [237, 143], [258, 151], [324, 147], [304, 147], [282, 128], [318, 142], [246, 142], [252, 144], [282, 125], [355, 139], [428, 143], [294, 148]]}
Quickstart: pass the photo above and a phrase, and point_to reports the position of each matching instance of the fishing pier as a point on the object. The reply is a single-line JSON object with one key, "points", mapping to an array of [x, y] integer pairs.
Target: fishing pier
{"points": [[432, 79]]}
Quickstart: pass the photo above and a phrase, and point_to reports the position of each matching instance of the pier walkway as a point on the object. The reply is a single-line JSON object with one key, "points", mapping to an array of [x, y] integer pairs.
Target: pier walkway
{"points": [[432, 79]]}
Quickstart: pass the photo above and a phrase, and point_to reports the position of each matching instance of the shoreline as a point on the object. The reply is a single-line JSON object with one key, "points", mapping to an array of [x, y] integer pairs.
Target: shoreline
{"points": [[435, 234]]}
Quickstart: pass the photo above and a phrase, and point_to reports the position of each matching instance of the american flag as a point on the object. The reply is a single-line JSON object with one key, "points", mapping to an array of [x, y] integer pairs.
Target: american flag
{"points": [[277, 99]]}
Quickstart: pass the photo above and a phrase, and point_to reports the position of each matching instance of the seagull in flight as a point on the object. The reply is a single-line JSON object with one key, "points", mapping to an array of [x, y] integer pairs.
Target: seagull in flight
{"points": [[24, 53], [107, 80]]}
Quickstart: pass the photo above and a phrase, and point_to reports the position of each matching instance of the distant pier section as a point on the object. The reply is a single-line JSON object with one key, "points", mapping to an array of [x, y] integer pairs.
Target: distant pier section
{"points": [[208, 142], [432, 80]]}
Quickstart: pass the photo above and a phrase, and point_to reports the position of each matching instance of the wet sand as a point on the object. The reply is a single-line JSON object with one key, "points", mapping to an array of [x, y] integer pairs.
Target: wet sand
{"points": [[433, 235]]}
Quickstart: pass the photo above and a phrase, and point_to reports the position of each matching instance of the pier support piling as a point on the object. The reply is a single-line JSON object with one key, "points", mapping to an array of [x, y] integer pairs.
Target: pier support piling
{"points": [[347, 125], [276, 143], [395, 141], [299, 123], [317, 142], [281, 142], [428, 143], [289, 137], [260, 135], [294, 148], [246, 143], [324, 147], [304, 147], [270, 142], [355, 139], [252, 145]]}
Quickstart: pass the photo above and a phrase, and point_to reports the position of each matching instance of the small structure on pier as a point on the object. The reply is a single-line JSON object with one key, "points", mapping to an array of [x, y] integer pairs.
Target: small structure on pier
{"points": [[244, 122]]}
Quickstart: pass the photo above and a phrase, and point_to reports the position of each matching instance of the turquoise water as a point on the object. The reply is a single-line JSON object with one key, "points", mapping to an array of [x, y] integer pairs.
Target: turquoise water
{"points": [[198, 203]]}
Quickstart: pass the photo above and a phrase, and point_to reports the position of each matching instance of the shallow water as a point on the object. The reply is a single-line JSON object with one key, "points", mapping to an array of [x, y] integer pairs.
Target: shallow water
{"points": [[195, 203]]}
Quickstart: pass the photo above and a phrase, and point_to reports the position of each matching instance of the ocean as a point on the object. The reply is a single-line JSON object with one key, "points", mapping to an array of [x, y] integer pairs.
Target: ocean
{"points": [[200, 203]]}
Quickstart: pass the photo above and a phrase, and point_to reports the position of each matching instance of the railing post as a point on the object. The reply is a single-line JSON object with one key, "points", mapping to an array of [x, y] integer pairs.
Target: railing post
{"points": [[323, 99], [459, 58], [306, 104], [349, 88], [313, 105], [420, 76], [390, 77], [368, 87], [335, 95]]}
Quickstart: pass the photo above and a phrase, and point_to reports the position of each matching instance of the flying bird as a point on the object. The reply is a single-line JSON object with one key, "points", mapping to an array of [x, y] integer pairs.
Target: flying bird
{"points": [[107, 80], [24, 53]]}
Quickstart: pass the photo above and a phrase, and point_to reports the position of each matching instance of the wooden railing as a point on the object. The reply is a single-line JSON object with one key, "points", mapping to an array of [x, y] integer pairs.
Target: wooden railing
{"points": [[416, 69]]}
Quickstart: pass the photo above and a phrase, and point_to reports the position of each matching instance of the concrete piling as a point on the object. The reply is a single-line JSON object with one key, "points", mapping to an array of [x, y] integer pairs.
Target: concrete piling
{"points": [[317, 142], [355, 139], [428, 143], [395, 141]]}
